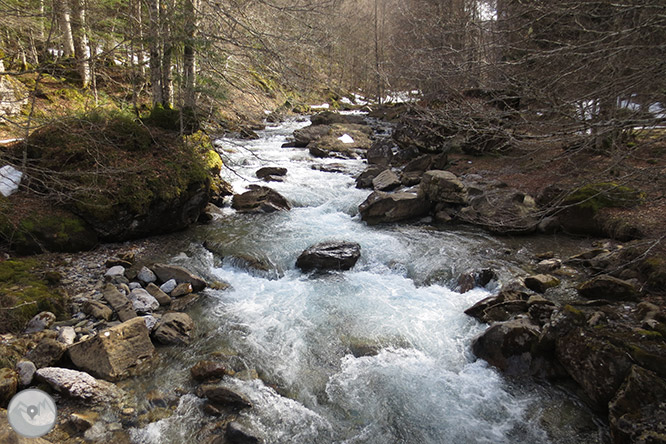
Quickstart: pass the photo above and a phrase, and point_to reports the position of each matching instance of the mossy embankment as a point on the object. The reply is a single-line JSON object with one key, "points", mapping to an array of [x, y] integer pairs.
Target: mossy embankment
{"points": [[104, 176]]}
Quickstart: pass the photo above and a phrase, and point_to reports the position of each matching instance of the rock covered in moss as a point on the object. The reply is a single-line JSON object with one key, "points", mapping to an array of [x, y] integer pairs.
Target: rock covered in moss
{"points": [[609, 288]]}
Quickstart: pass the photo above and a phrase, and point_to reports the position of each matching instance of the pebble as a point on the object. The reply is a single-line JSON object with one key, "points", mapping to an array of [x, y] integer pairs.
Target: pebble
{"points": [[168, 286], [115, 271]]}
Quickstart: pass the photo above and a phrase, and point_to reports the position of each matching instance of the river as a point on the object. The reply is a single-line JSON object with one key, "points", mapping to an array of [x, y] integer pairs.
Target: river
{"points": [[420, 384]]}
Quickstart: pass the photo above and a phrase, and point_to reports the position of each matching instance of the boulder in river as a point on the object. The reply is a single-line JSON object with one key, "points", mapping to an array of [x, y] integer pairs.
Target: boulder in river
{"points": [[114, 353], [174, 328], [237, 434], [260, 200], [224, 396], [79, 385], [331, 255], [364, 180], [330, 118], [508, 346], [269, 173], [381, 152], [381, 207], [303, 136], [541, 282], [208, 370], [387, 180]]}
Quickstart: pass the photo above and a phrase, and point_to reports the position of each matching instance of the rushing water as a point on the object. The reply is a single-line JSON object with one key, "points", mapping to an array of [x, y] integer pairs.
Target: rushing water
{"points": [[420, 385]]}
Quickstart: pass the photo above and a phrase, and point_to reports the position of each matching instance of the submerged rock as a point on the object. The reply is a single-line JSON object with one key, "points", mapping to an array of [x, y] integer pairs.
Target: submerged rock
{"points": [[237, 434], [260, 200], [224, 396], [207, 370], [332, 255]]}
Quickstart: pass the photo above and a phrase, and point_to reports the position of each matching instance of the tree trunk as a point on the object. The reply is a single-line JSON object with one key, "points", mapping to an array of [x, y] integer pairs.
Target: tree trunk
{"points": [[80, 36], [155, 54], [62, 12], [189, 54], [167, 53]]}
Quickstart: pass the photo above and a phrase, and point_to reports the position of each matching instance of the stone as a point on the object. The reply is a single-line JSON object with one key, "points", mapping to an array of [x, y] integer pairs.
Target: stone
{"points": [[151, 322], [9, 380], [608, 288], [364, 180], [146, 275], [119, 302], [163, 298], [174, 328], [168, 286], [303, 136], [637, 412], [207, 370], [332, 255], [48, 352], [330, 167], [381, 207], [97, 310], [81, 421], [114, 353], [259, 200], [541, 282], [67, 335], [117, 270], [182, 289], [443, 186], [330, 118], [185, 302], [381, 152], [223, 396], [596, 364], [237, 434], [387, 180], [548, 265], [133, 285], [268, 172], [80, 385], [167, 272], [39, 322], [508, 346], [142, 301], [26, 371]]}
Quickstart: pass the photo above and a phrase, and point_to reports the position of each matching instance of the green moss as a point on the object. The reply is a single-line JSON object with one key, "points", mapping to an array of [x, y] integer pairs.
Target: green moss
{"points": [[649, 333], [24, 293], [605, 195]]}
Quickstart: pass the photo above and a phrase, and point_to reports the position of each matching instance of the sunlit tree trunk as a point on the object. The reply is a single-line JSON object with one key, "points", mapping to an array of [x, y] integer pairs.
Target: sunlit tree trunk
{"points": [[155, 55], [64, 19], [80, 38]]}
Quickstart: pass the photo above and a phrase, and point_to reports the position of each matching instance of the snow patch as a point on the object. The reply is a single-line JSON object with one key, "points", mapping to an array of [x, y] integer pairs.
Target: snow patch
{"points": [[10, 178], [346, 138], [322, 106]]}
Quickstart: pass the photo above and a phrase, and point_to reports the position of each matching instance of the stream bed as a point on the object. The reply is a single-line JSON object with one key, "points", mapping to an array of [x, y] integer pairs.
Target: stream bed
{"points": [[378, 354]]}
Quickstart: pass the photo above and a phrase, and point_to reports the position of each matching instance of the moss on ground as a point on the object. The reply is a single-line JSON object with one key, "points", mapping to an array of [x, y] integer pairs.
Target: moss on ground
{"points": [[24, 292], [605, 195]]}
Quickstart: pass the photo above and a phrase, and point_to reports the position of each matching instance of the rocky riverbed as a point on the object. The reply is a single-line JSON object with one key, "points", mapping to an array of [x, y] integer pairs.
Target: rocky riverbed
{"points": [[154, 352]]}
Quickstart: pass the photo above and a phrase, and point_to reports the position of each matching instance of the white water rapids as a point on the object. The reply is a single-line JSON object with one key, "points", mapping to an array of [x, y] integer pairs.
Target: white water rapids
{"points": [[298, 330]]}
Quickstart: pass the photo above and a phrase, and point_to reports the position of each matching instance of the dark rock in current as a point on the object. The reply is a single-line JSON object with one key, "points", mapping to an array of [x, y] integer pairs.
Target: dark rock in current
{"points": [[508, 346], [472, 279], [303, 136], [329, 256], [167, 272], [260, 200], [174, 328], [330, 167], [637, 413], [208, 370], [267, 172], [609, 288], [381, 207], [237, 434], [364, 180], [224, 396], [387, 180]]}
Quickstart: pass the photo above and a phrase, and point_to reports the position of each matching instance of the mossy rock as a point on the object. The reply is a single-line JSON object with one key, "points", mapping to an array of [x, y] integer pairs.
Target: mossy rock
{"points": [[24, 293], [605, 195], [173, 119], [35, 228]]}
